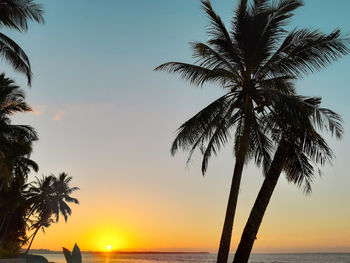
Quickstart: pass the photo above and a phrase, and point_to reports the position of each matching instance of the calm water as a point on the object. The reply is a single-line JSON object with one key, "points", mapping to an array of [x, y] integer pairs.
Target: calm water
{"points": [[195, 258]]}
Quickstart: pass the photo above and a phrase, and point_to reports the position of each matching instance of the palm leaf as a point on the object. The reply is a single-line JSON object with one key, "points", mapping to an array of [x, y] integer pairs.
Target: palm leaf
{"points": [[16, 13], [220, 38], [15, 56], [304, 51], [197, 75]]}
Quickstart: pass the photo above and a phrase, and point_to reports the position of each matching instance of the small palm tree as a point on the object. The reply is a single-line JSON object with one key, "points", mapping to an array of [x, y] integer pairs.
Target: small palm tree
{"points": [[254, 62], [299, 147], [49, 196], [62, 192], [15, 14]]}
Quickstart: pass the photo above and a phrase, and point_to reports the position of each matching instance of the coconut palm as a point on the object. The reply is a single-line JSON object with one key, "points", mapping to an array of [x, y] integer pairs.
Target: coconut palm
{"points": [[49, 196], [13, 192], [13, 202], [300, 147], [253, 60], [41, 197], [12, 217], [62, 192], [12, 99], [15, 140], [15, 151], [16, 14], [16, 144]]}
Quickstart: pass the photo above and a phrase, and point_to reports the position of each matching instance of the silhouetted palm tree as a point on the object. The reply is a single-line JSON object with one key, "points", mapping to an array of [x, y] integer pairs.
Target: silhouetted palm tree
{"points": [[14, 204], [300, 146], [62, 194], [15, 14], [15, 140], [40, 195], [15, 164], [254, 60], [11, 225], [49, 196]]}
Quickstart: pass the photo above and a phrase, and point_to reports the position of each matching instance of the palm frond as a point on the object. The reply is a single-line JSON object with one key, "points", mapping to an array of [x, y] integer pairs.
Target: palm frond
{"points": [[283, 85], [220, 135], [200, 126], [220, 37], [197, 75], [71, 199], [260, 145], [304, 51], [211, 59], [15, 56], [331, 121], [298, 169], [16, 13], [257, 30]]}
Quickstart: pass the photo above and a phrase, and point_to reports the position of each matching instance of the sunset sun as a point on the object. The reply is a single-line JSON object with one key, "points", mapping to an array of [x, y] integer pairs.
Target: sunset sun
{"points": [[109, 247]]}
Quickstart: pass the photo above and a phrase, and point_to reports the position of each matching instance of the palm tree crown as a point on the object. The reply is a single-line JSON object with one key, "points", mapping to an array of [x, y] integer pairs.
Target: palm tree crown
{"points": [[16, 14], [49, 196], [16, 141], [253, 62], [300, 150], [297, 127]]}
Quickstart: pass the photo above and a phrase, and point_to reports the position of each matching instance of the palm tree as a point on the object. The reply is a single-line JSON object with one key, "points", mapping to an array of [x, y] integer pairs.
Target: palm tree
{"points": [[15, 14], [40, 196], [12, 194], [62, 193], [49, 196], [299, 146], [252, 61], [13, 201], [15, 140], [12, 209], [16, 144]]}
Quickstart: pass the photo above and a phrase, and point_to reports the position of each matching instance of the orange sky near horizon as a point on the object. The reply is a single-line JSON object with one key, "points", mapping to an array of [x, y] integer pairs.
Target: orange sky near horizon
{"points": [[140, 224]]}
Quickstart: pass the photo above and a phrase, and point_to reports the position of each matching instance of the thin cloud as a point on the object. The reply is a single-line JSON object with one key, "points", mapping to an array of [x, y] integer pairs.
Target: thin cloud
{"points": [[38, 109], [59, 115]]}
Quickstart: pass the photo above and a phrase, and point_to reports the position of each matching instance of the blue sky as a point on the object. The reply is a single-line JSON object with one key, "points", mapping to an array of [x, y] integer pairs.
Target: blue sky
{"points": [[108, 120]]}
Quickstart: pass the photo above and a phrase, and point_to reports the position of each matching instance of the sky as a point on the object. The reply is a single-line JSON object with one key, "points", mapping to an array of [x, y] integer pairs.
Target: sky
{"points": [[107, 119]]}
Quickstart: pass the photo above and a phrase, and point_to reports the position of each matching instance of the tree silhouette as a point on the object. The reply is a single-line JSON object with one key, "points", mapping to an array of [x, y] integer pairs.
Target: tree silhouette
{"points": [[254, 62]]}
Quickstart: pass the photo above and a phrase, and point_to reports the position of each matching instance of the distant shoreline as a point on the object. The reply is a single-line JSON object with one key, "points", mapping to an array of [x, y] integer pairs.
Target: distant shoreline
{"points": [[146, 252], [47, 251]]}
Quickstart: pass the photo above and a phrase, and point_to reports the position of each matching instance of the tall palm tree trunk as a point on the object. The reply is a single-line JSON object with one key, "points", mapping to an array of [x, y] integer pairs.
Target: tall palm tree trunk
{"points": [[3, 219], [226, 235], [31, 241], [256, 215], [5, 228]]}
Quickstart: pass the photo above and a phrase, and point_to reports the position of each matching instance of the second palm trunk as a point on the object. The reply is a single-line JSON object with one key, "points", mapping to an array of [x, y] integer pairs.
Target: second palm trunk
{"points": [[256, 215]]}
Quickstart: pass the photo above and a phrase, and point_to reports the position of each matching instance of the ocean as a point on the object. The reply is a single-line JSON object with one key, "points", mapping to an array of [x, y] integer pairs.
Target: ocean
{"points": [[206, 258]]}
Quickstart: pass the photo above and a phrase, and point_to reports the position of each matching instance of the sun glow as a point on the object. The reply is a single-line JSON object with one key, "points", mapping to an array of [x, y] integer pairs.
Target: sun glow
{"points": [[106, 237]]}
